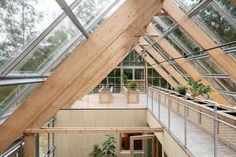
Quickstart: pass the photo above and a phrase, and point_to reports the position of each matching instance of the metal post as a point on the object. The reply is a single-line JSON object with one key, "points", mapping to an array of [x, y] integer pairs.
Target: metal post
{"points": [[168, 97], [215, 130], [88, 100], [37, 145], [147, 96], [185, 122], [152, 100], [159, 105], [156, 102]]}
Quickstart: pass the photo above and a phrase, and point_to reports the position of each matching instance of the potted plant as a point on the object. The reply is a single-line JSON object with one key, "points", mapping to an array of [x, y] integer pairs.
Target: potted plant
{"points": [[132, 95], [96, 152], [197, 88], [108, 149], [182, 90], [133, 85], [109, 146]]}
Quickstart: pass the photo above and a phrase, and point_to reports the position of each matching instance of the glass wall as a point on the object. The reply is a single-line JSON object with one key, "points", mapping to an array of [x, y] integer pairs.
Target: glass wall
{"points": [[134, 69]]}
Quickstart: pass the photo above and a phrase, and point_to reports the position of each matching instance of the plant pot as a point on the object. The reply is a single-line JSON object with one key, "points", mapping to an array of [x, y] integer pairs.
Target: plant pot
{"points": [[218, 108], [132, 96], [200, 102]]}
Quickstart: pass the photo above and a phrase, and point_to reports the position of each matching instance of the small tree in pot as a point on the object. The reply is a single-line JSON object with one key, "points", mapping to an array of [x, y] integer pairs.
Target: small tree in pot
{"points": [[108, 149], [197, 88], [133, 85], [182, 90]]}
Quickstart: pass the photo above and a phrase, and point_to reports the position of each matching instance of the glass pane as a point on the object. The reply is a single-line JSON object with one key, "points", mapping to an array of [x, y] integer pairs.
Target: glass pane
{"points": [[48, 48], [88, 10], [21, 22], [184, 41], [185, 45], [162, 23], [129, 73], [216, 24], [187, 5], [231, 99], [214, 83], [69, 2], [139, 74], [133, 59], [228, 84], [228, 6], [5, 93], [12, 96]]}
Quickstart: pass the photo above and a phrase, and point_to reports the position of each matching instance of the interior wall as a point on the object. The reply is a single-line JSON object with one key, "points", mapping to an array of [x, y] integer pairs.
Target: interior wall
{"points": [[80, 145]]}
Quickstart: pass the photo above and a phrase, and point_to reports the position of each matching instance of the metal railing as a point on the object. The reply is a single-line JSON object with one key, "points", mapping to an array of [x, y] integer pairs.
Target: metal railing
{"points": [[202, 133]]}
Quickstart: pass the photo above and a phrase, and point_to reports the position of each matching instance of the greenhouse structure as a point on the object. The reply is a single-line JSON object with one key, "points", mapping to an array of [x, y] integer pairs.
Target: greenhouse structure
{"points": [[117, 78]]}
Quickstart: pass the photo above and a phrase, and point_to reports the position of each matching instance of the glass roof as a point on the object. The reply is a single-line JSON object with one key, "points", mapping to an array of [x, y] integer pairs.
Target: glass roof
{"points": [[45, 36], [39, 35]]}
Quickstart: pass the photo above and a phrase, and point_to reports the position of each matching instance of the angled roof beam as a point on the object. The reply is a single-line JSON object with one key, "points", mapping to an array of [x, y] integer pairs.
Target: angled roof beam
{"points": [[156, 55], [158, 68], [72, 17], [186, 66], [117, 34], [223, 60]]}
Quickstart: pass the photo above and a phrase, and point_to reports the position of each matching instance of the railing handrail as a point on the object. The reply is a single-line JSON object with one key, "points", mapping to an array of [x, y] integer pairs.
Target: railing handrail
{"points": [[214, 116]]}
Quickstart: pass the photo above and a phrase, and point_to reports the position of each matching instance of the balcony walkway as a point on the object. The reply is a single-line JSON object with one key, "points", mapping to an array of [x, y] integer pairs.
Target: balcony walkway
{"points": [[199, 142]]}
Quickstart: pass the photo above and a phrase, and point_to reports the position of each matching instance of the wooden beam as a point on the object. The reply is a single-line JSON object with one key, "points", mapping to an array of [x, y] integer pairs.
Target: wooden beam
{"points": [[94, 130], [119, 32], [30, 145], [150, 61], [156, 55], [223, 60], [187, 67]]}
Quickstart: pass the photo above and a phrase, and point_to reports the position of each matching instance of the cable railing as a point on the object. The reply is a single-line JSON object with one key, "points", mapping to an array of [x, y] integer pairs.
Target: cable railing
{"points": [[203, 132]]}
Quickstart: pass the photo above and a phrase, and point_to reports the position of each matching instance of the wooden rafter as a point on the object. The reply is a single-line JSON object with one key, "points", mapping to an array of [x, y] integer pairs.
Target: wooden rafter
{"points": [[223, 60], [156, 55], [186, 66], [150, 61], [75, 75]]}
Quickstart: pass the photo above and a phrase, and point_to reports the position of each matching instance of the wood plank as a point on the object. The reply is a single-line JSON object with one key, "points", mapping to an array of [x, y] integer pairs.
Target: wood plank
{"points": [[224, 61], [187, 67], [150, 61], [63, 81], [94, 130]]}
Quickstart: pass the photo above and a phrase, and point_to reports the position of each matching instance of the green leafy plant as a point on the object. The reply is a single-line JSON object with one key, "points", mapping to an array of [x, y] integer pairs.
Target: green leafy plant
{"points": [[108, 149], [133, 85], [197, 88], [109, 146], [96, 152], [182, 90]]}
